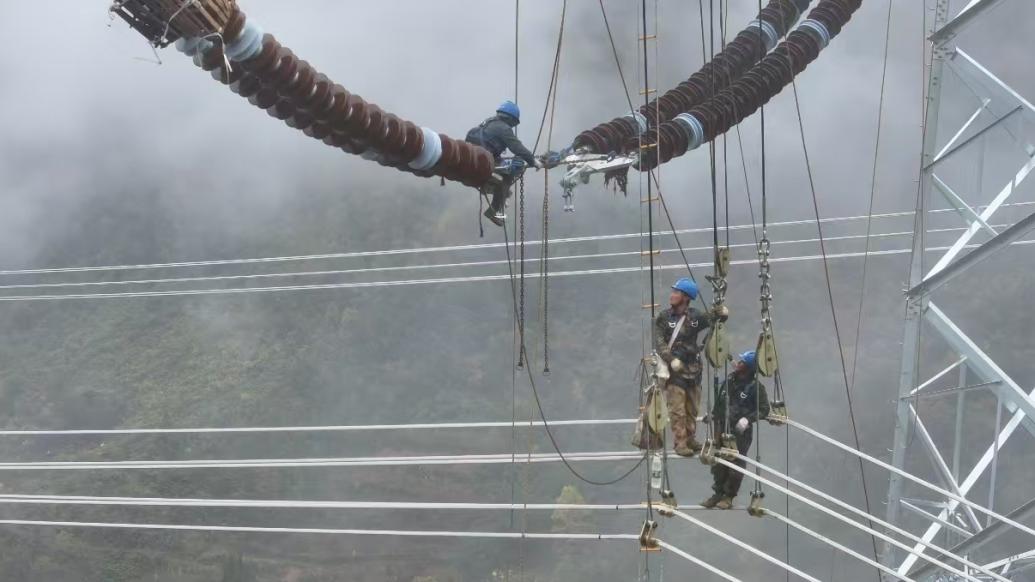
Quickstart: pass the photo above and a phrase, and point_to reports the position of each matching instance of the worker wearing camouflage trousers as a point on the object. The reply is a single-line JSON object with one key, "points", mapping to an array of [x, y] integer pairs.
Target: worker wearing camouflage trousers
{"points": [[676, 331], [748, 403]]}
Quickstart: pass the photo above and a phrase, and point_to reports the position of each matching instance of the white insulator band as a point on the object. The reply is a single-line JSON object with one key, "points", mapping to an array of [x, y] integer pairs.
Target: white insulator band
{"points": [[817, 30], [769, 34], [247, 44], [193, 46], [430, 153], [640, 119], [695, 128]]}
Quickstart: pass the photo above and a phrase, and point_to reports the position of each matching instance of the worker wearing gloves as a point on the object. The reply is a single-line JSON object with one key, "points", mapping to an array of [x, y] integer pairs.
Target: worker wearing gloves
{"points": [[676, 331], [748, 403], [496, 134]]}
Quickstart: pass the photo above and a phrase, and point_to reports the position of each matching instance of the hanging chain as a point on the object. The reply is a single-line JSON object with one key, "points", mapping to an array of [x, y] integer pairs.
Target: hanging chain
{"points": [[546, 276], [766, 292], [521, 267]]}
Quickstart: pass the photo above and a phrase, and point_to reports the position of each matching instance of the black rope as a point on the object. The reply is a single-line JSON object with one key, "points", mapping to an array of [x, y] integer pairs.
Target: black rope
{"points": [[833, 313], [539, 404]]}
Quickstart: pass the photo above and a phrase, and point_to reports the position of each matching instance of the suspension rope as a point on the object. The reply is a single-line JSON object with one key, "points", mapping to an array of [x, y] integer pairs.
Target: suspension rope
{"points": [[851, 523], [888, 526], [452, 248], [873, 193], [468, 279], [284, 429], [833, 309], [923, 483], [396, 461], [836, 546], [87, 500], [744, 546]]}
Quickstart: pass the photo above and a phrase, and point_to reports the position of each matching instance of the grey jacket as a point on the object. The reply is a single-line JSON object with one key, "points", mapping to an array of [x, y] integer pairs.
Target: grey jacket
{"points": [[496, 135]]}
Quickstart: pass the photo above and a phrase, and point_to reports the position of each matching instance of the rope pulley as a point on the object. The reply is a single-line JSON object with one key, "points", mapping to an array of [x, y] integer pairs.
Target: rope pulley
{"points": [[649, 543], [755, 508], [729, 450], [717, 347], [766, 356]]}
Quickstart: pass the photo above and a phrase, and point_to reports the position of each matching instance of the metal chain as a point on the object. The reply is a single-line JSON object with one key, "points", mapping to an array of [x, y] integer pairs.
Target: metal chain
{"points": [[545, 268], [521, 267]]}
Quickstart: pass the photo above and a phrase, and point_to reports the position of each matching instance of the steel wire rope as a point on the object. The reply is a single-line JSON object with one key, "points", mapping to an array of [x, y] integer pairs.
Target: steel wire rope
{"points": [[449, 280], [873, 192], [858, 512], [453, 248], [420, 267], [833, 309], [849, 522]]}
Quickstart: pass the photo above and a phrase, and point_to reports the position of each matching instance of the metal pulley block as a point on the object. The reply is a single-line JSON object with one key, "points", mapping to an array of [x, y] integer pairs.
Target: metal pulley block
{"points": [[755, 508], [669, 503], [657, 411], [722, 261], [707, 453], [777, 413], [717, 346], [766, 357], [648, 543], [729, 450]]}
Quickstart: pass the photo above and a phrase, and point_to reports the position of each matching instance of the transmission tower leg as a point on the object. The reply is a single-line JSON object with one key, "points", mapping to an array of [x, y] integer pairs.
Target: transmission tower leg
{"points": [[909, 374]]}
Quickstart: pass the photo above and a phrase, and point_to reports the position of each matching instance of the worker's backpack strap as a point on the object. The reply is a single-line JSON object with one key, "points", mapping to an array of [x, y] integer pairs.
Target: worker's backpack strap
{"points": [[675, 331]]}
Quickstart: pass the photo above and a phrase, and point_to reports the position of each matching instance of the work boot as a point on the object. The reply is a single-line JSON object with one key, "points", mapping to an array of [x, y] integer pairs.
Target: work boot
{"points": [[725, 503], [495, 216], [684, 451], [695, 446], [711, 501]]}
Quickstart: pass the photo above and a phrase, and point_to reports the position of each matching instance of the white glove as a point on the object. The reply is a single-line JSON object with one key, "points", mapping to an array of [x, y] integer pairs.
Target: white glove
{"points": [[538, 164], [742, 425], [676, 364]]}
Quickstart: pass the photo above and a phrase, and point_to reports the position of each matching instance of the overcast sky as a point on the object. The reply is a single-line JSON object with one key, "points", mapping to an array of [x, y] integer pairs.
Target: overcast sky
{"points": [[86, 115]]}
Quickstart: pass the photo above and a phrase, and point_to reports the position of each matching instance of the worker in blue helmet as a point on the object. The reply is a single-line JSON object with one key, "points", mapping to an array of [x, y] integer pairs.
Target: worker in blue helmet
{"points": [[677, 335], [740, 403], [496, 134]]}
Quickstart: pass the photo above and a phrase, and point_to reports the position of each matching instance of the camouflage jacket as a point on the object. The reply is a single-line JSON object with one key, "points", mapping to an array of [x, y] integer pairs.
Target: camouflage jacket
{"points": [[686, 346]]}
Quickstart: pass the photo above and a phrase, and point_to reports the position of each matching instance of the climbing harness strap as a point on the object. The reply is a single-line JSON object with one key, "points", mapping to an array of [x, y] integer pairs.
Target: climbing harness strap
{"points": [[675, 331]]}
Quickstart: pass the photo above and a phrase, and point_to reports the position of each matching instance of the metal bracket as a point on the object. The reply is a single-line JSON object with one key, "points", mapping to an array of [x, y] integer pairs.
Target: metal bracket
{"points": [[648, 543], [707, 453], [755, 508], [581, 166]]}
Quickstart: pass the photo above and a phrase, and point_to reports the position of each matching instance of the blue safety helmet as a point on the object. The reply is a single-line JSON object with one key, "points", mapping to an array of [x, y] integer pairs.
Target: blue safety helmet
{"points": [[687, 287], [510, 108], [750, 359]]}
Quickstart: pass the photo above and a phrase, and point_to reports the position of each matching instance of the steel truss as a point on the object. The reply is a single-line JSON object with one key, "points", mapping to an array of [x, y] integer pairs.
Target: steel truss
{"points": [[999, 110]]}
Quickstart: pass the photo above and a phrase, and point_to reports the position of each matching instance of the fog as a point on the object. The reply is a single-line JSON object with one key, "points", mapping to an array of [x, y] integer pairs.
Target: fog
{"points": [[108, 158]]}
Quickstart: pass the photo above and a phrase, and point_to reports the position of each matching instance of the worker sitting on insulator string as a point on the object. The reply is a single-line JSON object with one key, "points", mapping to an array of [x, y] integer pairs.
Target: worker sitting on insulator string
{"points": [[748, 403], [676, 342], [496, 134]]}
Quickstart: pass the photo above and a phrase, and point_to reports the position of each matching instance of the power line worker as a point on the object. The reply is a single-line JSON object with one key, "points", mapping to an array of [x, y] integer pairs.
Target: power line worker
{"points": [[496, 134], [675, 340], [748, 403]]}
